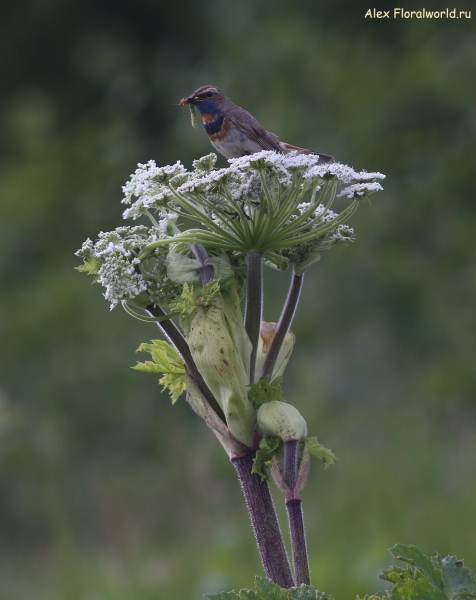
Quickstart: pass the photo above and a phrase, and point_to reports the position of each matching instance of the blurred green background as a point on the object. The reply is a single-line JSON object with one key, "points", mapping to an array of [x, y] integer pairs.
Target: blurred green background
{"points": [[107, 491]]}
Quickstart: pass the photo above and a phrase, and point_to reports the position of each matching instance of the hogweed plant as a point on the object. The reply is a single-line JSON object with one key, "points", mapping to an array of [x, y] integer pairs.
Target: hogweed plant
{"points": [[210, 232]]}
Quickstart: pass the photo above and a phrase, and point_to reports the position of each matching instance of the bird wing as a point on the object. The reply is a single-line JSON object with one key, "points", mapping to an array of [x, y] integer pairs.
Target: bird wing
{"points": [[246, 123]]}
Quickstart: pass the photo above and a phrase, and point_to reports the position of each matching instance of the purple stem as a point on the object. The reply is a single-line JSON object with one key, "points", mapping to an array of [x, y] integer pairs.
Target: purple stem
{"points": [[284, 324], [298, 542], [254, 304], [265, 523], [295, 516], [291, 463], [177, 340]]}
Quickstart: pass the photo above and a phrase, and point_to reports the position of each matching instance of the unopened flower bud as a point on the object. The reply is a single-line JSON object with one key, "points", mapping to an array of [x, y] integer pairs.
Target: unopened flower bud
{"points": [[281, 420], [267, 332]]}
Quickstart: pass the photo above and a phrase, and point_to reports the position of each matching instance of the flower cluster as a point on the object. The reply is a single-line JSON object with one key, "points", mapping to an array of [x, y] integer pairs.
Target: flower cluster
{"points": [[276, 204], [255, 204], [304, 254], [115, 262]]}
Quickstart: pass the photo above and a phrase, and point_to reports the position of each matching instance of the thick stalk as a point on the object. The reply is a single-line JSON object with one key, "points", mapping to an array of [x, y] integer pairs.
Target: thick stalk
{"points": [[265, 523], [254, 304], [177, 340], [284, 324], [298, 542]]}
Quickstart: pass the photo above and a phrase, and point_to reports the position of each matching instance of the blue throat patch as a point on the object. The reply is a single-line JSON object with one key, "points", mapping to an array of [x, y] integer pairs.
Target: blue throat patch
{"points": [[208, 106]]}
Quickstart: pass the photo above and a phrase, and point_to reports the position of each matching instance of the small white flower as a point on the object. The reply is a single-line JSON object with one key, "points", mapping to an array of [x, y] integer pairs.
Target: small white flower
{"points": [[360, 189]]}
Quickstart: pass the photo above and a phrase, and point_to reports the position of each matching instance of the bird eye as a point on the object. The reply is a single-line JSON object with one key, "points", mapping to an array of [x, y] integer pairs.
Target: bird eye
{"points": [[209, 94]]}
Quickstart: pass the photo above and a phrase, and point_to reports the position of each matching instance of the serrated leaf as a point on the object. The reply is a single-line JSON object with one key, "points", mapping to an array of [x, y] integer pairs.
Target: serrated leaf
{"points": [[91, 266], [428, 578], [265, 390], [397, 574], [191, 297], [457, 580], [224, 596], [416, 589], [414, 556], [322, 453], [267, 590], [247, 595], [307, 592], [267, 448], [166, 361]]}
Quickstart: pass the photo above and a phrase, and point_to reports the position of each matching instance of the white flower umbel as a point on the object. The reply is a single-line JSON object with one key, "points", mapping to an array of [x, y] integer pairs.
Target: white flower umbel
{"points": [[257, 204], [114, 259]]}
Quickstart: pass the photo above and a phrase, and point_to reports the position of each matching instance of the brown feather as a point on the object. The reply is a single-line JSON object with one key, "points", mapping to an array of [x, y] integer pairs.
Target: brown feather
{"points": [[246, 123]]}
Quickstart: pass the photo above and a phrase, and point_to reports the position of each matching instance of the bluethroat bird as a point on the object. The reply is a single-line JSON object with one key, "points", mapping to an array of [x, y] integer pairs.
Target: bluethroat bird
{"points": [[233, 131]]}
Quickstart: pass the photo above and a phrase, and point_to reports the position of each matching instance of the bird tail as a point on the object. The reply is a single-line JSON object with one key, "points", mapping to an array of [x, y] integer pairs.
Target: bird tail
{"points": [[323, 158]]}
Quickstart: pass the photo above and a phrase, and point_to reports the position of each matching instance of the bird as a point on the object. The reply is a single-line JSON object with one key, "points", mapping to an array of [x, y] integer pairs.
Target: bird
{"points": [[233, 131]]}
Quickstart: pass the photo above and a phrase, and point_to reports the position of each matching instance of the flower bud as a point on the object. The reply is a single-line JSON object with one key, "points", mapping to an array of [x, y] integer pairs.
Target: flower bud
{"points": [[221, 350], [281, 420], [267, 332], [182, 269]]}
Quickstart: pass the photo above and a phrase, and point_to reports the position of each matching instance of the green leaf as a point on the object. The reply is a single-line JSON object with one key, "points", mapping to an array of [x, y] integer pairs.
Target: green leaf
{"points": [[324, 454], [457, 579], [164, 360], [416, 589], [247, 595], [414, 556], [265, 390], [267, 448], [428, 578], [267, 590], [192, 298], [91, 265], [307, 592], [397, 574]]}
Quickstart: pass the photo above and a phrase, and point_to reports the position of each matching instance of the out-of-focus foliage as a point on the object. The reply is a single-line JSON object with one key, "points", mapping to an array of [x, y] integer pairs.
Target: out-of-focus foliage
{"points": [[107, 491]]}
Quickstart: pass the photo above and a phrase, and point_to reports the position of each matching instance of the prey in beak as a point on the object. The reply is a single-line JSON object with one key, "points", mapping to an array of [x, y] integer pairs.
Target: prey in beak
{"points": [[190, 100], [191, 104]]}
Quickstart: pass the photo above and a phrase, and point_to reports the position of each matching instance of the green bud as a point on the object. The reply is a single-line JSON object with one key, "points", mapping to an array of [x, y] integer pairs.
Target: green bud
{"points": [[267, 332], [221, 350], [182, 269], [281, 420]]}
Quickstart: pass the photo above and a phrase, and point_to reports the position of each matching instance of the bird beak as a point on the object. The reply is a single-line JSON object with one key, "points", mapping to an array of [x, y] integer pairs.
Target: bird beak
{"points": [[190, 100]]}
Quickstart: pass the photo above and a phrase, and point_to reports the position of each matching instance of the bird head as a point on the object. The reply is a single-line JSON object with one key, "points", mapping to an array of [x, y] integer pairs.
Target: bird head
{"points": [[205, 98]]}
